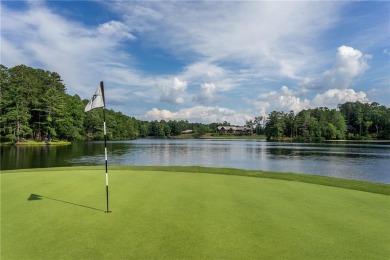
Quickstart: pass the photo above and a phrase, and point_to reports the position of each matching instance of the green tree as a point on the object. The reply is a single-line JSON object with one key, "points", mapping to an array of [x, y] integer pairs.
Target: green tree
{"points": [[259, 125], [275, 127], [156, 129], [52, 104], [250, 124], [202, 129], [369, 120], [69, 124], [15, 99], [174, 127], [338, 121], [290, 124]]}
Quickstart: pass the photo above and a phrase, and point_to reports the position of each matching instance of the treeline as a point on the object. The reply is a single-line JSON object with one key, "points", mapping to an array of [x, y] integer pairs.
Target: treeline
{"points": [[34, 105], [352, 120], [173, 128]]}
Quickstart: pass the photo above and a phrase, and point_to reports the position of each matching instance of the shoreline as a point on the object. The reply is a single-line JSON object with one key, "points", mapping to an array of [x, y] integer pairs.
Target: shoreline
{"points": [[196, 136], [359, 141], [36, 143], [185, 213], [366, 186]]}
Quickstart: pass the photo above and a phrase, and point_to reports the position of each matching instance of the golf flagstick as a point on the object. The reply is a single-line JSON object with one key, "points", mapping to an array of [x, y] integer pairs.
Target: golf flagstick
{"points": [[99, 101], [105, 143]]}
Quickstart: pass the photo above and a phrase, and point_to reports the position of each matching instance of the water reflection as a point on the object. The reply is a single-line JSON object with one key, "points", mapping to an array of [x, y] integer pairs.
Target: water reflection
{"points": [[346, 160]]}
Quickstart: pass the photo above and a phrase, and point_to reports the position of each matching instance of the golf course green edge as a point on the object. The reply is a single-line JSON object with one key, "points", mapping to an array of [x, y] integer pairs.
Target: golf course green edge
{"points": [[190, 213], [373, 187]]}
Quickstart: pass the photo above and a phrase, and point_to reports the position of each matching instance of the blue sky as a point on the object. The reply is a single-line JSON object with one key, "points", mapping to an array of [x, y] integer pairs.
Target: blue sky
{"points": [[206, 61]]}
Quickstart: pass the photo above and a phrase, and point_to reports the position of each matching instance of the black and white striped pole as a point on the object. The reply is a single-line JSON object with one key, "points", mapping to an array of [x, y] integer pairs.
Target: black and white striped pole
{"points": [[105, 143], [97, 101]]}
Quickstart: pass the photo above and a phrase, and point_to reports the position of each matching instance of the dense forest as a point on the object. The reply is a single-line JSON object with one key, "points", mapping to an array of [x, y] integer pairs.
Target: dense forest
{"points": [[352, 120], [34, 105]]}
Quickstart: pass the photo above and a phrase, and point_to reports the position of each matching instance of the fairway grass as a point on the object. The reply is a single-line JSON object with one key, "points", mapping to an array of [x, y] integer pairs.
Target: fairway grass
{"points": [[181, 212]]}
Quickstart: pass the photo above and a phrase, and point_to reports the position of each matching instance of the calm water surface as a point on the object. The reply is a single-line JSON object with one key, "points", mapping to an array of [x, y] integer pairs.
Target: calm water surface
{"points": [[360, 161]]}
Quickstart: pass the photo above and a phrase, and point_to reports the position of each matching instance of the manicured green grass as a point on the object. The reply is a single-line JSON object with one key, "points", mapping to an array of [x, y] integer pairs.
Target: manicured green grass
{"points": [[380, 188], [179, 212], [32, 143], [36, 143]]}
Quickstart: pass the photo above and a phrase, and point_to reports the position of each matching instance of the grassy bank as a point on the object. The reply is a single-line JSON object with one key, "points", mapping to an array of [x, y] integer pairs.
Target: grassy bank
{"points": [[180, 212], [36, 143], [32, 143]]}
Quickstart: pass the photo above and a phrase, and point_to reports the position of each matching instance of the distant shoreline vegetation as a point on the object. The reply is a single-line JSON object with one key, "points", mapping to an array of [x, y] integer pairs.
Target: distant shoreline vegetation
{"points": [[37, 143], [352, 121], [34, 143], [35, 107]]}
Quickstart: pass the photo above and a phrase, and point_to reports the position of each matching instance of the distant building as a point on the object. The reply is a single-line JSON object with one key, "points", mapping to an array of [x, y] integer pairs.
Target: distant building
{"points": [[187, 131], [238, 130]]}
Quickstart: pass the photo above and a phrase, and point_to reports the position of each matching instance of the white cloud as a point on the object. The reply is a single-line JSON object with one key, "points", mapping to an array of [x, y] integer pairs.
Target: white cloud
{"points": [[116, 29], [203, 71], [201, 114], [200, 72], [286, 99], [206, 94], [254, 36], [333, 97], [174, 92], [350, 63], [262, 108], [283, 100], [156, 114], [233, 50], [13, 55], [81, 55]]}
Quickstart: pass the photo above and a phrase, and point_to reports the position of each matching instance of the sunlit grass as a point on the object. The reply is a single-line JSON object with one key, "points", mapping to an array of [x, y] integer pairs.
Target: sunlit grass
{"points": [[179, 212], [32, 143]]}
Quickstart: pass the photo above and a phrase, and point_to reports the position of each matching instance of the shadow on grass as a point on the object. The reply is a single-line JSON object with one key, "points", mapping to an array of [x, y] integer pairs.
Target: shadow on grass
{"points": [[40, 197]]}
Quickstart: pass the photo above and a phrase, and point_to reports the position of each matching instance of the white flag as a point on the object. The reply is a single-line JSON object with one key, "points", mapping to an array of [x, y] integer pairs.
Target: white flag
{"points": [[96, 101]]}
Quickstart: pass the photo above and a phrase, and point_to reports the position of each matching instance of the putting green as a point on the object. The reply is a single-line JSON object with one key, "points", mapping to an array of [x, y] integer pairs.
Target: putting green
{"points": [[58, 213]]}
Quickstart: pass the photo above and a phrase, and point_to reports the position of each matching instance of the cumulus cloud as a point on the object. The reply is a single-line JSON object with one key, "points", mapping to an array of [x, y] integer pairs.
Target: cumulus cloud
{"points": [[286, 99], [163, 114], [174, 93], [283, 100], [226, 55], [333, 97], [206, 94], [201, 114], [350, 63]]}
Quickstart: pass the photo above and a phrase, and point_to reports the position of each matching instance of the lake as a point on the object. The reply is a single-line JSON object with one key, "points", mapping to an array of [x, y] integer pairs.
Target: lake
{"points": [[359, 161]]}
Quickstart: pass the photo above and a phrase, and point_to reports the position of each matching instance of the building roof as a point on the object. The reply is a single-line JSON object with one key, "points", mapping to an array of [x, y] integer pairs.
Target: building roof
{"points": [[233, 128]]}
